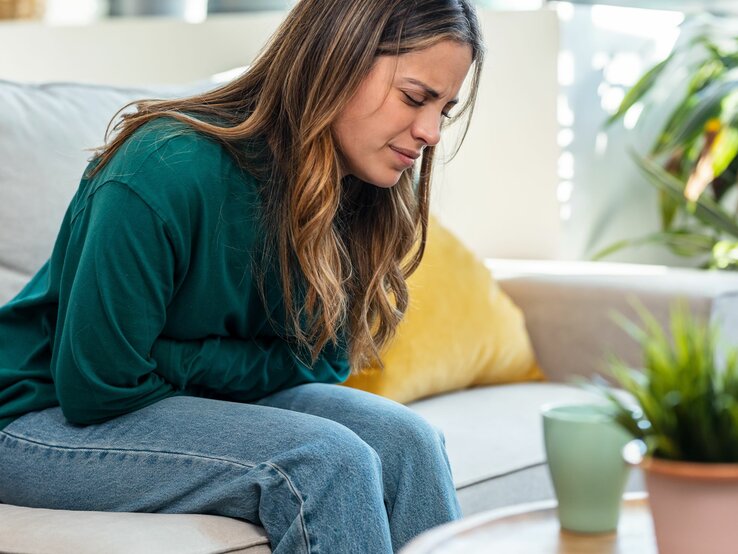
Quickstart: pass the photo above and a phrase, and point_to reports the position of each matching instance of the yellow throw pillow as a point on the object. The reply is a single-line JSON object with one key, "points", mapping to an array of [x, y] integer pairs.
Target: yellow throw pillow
{"points": [[460, 329]]}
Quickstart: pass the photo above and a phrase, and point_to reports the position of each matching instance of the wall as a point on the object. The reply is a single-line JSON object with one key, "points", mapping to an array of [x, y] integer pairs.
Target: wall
{"points": [[499, 192]]}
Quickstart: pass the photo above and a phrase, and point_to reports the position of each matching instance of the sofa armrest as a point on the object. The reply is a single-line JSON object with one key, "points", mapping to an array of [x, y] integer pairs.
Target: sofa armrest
{"points": [[568, 306]]}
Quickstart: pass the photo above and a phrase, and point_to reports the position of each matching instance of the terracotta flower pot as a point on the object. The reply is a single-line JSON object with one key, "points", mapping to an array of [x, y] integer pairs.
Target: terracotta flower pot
{"points": [[694, 506]]}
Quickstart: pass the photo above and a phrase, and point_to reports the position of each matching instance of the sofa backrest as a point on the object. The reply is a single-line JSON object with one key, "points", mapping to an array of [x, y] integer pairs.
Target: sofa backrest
{"points": [[46, 133]]}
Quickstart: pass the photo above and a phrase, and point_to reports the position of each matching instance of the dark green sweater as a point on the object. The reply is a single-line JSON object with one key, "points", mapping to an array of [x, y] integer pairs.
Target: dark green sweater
{"points": [[149, 292]]}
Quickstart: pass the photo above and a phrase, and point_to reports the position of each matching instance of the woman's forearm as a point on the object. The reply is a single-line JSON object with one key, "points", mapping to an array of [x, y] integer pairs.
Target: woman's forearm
{"points": [[241, 369]]}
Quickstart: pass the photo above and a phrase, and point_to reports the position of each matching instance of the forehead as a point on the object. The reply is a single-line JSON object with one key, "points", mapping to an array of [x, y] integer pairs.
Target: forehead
{"points": [[442, 66]]}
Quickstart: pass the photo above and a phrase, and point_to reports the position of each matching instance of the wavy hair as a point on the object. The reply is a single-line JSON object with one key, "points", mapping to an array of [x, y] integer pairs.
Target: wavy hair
{"points": [[343, 249]]}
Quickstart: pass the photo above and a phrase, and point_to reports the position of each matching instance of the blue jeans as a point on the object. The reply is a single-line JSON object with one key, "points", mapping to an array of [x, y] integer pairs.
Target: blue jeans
{"points": [[323, 468]]}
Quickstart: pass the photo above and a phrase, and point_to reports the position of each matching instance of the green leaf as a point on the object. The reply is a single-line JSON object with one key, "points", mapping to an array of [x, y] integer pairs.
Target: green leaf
{"points": [[724, 149], [681, 242], [725, 254], [688, 243], [668, 209], [692, 115], [709, 71], [638, 90], [730, 61], [676, 121], [705, 209], [614, 247], [729, 105]]}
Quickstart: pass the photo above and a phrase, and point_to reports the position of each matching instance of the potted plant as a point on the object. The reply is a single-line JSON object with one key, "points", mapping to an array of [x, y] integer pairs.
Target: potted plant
{"points": [[684, 415], [694, 160]]}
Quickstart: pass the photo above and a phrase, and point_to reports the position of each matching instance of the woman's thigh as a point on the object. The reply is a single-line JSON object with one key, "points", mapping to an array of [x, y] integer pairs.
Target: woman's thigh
{"points": [[394, 431], [168, 457], [379, 421]]}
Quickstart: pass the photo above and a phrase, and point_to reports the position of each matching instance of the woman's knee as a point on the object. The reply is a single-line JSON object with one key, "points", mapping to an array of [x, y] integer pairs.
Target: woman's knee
{"points": [[425, 438], [409, 430], [334, 447], [393, 420]]}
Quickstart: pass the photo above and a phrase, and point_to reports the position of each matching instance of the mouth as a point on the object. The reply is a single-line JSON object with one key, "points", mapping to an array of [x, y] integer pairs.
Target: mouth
{"points": [[406, 157]]}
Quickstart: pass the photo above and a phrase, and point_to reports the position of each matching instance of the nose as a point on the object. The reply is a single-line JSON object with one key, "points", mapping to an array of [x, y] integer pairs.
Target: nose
{"points": [[427, 127]]}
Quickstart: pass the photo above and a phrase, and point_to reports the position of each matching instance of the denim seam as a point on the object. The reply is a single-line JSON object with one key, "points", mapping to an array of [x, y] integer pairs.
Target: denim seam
{"points": [[297, 493], [133, 450]]}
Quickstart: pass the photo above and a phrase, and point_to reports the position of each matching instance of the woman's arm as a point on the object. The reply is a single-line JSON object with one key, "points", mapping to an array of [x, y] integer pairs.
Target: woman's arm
{"points": [[244, 370], [116, 280]]}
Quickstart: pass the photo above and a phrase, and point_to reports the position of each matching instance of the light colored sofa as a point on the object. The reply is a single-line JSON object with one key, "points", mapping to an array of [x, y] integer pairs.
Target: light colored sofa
{"points": [[493, 434]]}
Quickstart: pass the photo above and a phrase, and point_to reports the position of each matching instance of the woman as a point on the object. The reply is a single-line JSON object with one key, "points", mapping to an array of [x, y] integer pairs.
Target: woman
{"points": [[225, 261]]}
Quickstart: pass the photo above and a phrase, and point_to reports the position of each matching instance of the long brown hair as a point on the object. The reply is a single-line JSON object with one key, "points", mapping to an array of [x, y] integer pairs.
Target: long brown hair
{"points": [[349, 245]]}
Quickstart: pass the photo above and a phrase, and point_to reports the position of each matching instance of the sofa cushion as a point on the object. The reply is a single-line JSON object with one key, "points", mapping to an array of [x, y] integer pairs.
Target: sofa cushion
{"points": [[460, 329], [68, 532], [11, 281]]}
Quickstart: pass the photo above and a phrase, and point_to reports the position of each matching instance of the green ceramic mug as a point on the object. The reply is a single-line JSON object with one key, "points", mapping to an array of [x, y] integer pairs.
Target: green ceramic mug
{"points": [[583, 446]]}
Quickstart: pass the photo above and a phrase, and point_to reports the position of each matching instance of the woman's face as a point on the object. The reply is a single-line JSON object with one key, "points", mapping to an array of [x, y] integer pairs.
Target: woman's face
{"points": [[398, 109]]}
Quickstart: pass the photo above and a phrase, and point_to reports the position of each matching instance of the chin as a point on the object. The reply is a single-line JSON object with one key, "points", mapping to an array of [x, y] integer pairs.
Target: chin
{"points": [[386, 181], [384, 185], [375, 174]]}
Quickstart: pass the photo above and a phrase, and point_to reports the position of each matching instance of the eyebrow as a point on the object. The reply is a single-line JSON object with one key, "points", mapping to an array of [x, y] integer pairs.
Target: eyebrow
{"points": [[428, 90]]}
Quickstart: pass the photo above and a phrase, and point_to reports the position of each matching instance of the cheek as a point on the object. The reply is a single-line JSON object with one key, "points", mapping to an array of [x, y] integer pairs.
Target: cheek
{"points": [[367, 121], [385, 125], [367, 127], [362, 137]]}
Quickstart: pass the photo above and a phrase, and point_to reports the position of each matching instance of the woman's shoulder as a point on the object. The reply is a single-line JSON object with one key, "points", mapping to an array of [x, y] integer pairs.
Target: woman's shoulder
{"points": [[175, 167], [168, 148]]}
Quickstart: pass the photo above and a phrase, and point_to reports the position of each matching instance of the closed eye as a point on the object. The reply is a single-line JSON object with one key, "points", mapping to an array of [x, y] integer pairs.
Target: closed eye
{"points": [[419, 103], [413, 101]]}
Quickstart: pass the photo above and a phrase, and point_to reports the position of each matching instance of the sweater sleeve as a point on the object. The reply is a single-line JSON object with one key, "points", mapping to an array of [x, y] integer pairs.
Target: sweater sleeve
{"points": [[116, 281], [244, 370]]}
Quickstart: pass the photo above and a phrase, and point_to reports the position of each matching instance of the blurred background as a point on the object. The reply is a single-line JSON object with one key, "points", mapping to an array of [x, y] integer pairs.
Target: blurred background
{"points": [[625, 161]]}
